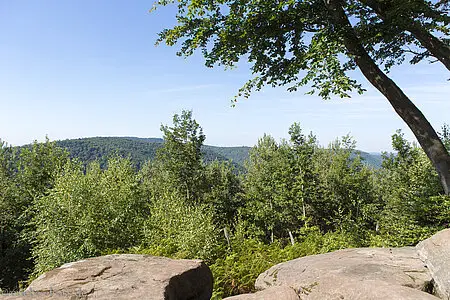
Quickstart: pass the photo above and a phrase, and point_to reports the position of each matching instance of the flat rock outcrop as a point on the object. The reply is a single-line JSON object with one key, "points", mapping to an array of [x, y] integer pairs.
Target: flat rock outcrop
{"points": [[408, 273], [360, 273], [435, 253], [39, 296], [276, 292], [124, 276]]}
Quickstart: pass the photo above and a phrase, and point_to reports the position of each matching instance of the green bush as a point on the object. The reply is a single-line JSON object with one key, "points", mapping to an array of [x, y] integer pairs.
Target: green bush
{"points": [[414, 204], [25, 175], [236, 272], [177, 229], [86, 214]]}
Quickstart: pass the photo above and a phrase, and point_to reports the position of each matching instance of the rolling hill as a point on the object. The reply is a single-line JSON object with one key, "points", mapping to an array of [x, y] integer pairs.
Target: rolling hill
{"points": [[142, 149]]}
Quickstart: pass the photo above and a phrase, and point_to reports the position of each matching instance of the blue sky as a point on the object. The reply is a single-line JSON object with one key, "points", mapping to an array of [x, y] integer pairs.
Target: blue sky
{"points": [[71, 69]]}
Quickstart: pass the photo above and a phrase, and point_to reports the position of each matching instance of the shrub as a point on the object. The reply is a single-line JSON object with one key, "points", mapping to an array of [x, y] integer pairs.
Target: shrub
{"points": [[86, 214]]}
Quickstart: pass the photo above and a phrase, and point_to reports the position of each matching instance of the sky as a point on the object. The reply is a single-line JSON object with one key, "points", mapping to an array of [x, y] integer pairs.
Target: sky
{"points": [[74, 69]]}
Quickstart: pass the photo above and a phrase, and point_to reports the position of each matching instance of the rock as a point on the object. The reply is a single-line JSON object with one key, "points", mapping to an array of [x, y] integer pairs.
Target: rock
{"points": [[435, 253], [272, 293], [361, 273], [126, 276], [37, 296], [342, 288]]}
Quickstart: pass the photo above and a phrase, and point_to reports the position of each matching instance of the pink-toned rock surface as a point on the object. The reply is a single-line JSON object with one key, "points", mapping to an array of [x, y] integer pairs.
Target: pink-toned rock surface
{"points": [[362, 273], [38, 296], [435, 253], [272, 293], [124, 276], [408, 273]]}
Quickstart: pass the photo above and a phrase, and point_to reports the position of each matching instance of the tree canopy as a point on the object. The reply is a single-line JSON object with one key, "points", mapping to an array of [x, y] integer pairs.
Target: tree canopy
{"points": [[317, 43]]}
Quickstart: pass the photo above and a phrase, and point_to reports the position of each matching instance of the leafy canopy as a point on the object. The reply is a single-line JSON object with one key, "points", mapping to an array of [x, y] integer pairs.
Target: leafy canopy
{"points": [[295, 43]]}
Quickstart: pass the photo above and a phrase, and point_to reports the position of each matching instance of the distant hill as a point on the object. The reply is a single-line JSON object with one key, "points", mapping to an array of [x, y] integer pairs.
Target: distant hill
{"points": [[371, 159], [142, 149], [236, 154]]}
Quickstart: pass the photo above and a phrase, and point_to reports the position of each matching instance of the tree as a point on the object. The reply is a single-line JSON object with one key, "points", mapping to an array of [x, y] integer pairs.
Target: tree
{"points": [[88, 213], [25, 177], [38, 166], [272, 209], [347, 199], [180, 157], [14, 251], [305, 180], [411, 17], [280, 185], [409, 188], [185, 207], [223, 193], [314, 42]]}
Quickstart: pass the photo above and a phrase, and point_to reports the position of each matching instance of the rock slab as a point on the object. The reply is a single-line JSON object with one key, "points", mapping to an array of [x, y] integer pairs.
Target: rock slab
{"points": [[272, 293], [435, 253], [125, 276], [360, 273]]}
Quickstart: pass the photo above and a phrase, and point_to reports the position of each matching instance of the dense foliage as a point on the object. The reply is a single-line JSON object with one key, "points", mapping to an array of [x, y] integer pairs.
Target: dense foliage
{"points": [[140, 150], [88, 212], [318, 43], [296, 198]]}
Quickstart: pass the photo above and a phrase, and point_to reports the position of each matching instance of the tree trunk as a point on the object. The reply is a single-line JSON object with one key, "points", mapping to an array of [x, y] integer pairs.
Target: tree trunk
{"points": [[413, 117], [291, 237], [436, 47], [303, 204]]}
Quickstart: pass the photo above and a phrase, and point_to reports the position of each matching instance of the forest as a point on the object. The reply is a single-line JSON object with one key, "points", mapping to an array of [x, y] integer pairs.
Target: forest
{"points": [[295, 198], [140, 150]]}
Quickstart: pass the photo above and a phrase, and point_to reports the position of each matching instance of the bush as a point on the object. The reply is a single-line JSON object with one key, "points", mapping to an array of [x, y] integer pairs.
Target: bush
{"points": [[177, 229], [87, 214], [236, 272]]}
